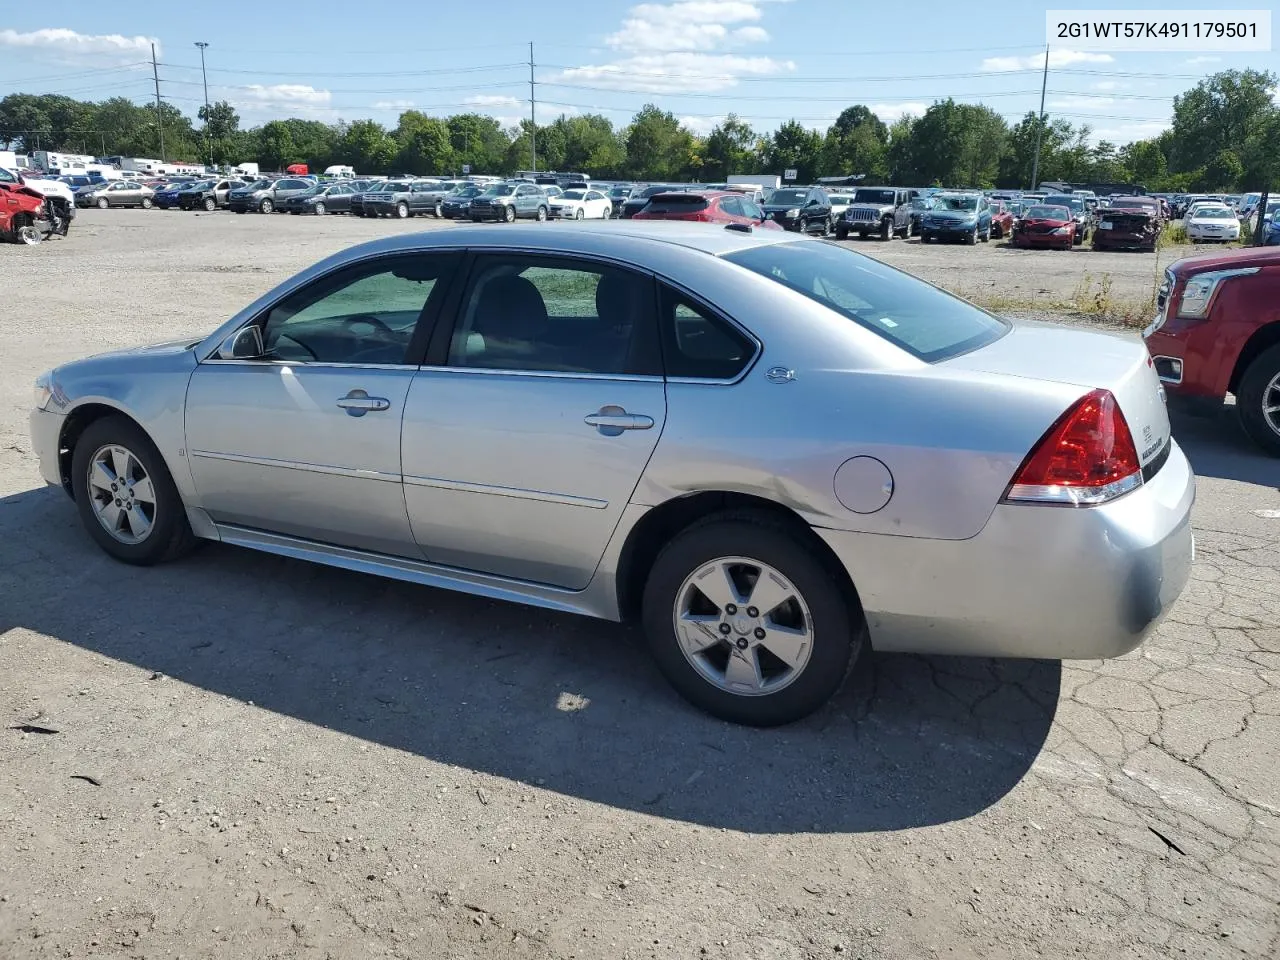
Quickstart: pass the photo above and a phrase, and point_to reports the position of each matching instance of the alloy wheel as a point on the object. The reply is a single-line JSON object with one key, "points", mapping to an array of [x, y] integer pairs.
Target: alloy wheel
{"points": [[123, 496], [743, 626], [1271, 404]]}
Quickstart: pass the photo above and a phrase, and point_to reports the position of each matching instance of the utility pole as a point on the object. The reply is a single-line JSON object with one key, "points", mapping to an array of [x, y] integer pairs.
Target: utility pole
{"points": [[1044, 83], [208, 142], [533, 117], [155, 75]]}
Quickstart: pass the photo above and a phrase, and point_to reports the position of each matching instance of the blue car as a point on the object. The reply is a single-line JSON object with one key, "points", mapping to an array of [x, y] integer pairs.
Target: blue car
{"points": [[957, 216], [166, 197], [1272, 236]]}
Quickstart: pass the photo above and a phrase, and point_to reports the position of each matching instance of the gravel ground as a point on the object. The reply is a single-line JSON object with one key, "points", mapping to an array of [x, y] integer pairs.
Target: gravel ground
{"points": [[255, 757]]}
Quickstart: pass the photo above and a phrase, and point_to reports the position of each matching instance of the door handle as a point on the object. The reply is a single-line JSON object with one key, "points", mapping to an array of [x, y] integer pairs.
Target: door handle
{"points": [[357, 403], [611, 420]]}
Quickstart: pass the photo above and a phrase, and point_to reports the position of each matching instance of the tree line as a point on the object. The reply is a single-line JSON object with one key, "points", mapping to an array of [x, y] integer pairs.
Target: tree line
{"points": [[1224, 136]]}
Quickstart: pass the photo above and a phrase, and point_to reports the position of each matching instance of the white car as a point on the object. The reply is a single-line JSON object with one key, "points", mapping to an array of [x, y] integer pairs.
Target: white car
{"points": [[839, 203], [581, 205], [46, 186], [1210, 222]]}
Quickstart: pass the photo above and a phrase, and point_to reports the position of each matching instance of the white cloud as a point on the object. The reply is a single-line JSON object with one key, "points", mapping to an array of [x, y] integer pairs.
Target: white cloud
{"points": [[1130, 132], [700, 125], [1068, 103], [393, 105], [286, 93], [1057, 58], [67, 43], [688, 25], [889, 112], [1195, 61], [675, 72], [488, 100], [1106, 85]]}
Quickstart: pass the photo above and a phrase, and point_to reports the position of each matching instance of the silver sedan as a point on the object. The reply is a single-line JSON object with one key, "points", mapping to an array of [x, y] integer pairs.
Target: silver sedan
{"points": [[774, 452]]}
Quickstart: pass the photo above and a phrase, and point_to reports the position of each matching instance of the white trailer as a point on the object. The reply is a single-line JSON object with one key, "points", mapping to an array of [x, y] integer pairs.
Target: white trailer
{"points": [[49, 160], [246, 169], [755, 179]]}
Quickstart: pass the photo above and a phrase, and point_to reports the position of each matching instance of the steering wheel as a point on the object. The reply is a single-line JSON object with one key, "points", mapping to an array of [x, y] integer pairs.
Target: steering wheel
{"points": [[372, 321]]}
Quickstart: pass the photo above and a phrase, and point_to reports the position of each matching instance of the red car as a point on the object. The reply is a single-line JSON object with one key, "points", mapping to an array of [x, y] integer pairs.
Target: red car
{"points": [[23, 215], [1129, 222], [1001, 219], [1045, 226], [1217, 331], [724, 206]]}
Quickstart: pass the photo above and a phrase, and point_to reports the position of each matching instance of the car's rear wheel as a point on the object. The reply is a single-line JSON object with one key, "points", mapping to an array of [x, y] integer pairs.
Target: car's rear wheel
{"points": [[146, 203], [746, 623], [210, 204], [1258, 400], [126, 497]]}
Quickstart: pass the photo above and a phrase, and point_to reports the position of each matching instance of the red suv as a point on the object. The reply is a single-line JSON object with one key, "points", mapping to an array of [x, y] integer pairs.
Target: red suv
{"points": [[1217, 331], [706, 207]]}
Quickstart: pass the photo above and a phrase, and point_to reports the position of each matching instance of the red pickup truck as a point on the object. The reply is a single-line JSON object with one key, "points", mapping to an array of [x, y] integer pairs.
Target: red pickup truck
{"points": [[23, 215], [1217, 331]]}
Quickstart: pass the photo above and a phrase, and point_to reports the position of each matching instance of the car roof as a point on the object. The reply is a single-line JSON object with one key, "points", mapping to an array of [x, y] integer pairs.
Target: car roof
{"points": [[611, 238]]}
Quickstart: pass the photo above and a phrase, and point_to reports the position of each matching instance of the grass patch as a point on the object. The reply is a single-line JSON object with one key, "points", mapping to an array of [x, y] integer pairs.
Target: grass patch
{"points": [[1093, 300]]}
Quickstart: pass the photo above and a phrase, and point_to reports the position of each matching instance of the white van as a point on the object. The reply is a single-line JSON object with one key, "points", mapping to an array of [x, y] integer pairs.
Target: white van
{"points": [[341, 172]]}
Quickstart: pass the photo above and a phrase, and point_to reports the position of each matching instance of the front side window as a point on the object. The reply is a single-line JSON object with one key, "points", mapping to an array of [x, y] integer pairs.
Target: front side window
{"points": [[364, 314], [553, 315], [921, 319]]}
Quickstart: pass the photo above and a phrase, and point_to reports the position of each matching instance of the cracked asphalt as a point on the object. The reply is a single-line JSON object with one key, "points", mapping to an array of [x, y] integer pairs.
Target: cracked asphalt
{"points": [[244, 756]]}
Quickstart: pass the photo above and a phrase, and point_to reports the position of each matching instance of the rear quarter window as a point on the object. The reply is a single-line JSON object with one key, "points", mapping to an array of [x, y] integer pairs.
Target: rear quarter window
{"points": [[921, 319]]}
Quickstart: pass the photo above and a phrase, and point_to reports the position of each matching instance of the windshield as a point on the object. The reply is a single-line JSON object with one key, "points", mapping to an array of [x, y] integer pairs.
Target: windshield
{"points": [[788, 196], [1214, 213], [956, 203], [1048, 213], [873, 196], [620, 192], [921, 203], [465, 192], [919, 318], [201, 185], [260, 185], [1075, 204]]}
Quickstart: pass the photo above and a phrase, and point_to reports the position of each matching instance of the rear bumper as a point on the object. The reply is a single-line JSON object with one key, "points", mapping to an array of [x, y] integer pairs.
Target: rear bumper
{"points": [[1038, 581]]}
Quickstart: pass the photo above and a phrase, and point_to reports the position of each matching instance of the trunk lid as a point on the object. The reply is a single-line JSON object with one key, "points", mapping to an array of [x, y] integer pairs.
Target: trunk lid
{"points": [[1088, 359]]}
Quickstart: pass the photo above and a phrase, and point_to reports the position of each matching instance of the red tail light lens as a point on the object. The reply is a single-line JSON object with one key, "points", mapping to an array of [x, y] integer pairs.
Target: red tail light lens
{"points": [[1087, 457]]}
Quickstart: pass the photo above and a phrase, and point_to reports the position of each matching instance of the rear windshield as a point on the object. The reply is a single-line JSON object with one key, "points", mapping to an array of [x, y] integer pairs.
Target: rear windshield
{"points": [[676, 203], [919, 318]]}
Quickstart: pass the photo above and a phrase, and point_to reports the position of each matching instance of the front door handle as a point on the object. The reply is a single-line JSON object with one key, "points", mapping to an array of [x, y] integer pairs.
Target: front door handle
{"points": [[611, 420], [357, 403]]}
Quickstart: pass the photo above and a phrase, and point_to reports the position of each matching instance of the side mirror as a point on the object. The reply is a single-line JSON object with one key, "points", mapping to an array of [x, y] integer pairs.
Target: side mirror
{"points": [[244, 344]]}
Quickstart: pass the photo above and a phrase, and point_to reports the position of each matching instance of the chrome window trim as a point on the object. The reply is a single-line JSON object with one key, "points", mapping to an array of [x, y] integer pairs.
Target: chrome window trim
{"points": [[310, 365], [519, 493], [302, 465], [543, 374]]}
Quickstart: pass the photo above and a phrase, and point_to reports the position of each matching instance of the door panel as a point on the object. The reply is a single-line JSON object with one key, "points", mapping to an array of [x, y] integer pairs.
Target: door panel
{"points": [[503, 475], [270, 448]]}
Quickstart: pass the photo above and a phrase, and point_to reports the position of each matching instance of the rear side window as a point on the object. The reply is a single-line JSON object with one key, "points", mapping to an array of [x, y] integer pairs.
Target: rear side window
{"points": [[919, 318], [697, 344]]}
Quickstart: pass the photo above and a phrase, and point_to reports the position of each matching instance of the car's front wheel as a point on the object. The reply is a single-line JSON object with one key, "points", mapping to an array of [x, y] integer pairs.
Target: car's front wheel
{"points": [[267, 206], [886, 229], [210, 204], [509, 213], [842, 232], [746, 623], [1258, 400], [103, 203], [126, 497]]}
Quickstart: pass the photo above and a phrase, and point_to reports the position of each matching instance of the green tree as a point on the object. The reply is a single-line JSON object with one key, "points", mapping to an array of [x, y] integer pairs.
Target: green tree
{"points": [[1223, 172], [366, 146], [225, 143], [903, 166], [589, 145], [657, 147], [958, 144], [424, 144], [730, 149], [1146, 162], [858, 142], [794, 147], [24, 122], [477, 140], [1218, 113]]}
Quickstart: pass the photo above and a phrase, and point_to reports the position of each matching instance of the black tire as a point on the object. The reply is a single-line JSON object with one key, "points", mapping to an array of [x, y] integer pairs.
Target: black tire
{"points": [[925, 236], [103, 203], [842, 232], [402, 210], [509, 213], [439, 209], [838, 631], [972, 238], [475, 219], [886, 229], [210, 204], [826, 227], [146, 203], [267, 205], [986, 235], [1256, 392], [319, 208], [171, 535]]}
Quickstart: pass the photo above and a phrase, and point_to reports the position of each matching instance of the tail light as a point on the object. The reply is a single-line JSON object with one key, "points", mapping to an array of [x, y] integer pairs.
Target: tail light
{"points": [[1087, 457]]}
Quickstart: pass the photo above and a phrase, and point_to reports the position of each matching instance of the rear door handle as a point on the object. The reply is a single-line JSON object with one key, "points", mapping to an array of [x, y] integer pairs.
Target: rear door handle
{"points": [[357, 403], [611, 420]]}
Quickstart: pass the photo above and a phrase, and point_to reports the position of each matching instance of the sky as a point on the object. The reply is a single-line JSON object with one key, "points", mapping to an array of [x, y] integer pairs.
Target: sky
{"points": [[765, 60]]}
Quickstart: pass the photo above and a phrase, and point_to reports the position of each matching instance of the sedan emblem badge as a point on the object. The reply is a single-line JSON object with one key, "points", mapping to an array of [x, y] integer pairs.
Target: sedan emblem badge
{"points": [[780, 375]]}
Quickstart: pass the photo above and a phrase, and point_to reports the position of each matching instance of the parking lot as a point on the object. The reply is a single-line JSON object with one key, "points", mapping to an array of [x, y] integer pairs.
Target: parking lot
{"points": [[247, 756]]}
